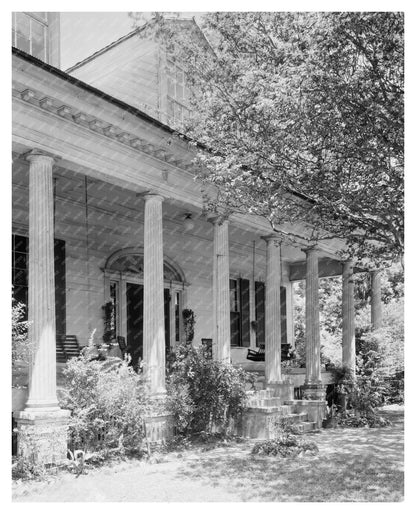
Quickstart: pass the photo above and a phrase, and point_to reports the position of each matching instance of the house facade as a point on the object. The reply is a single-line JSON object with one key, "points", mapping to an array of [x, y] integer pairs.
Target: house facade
{"points": [[108, 217]]}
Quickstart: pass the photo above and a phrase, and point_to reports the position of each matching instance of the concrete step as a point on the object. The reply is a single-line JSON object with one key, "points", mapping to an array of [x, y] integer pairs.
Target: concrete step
{"points": [[306, 426], [296, 417], [264, 402]]}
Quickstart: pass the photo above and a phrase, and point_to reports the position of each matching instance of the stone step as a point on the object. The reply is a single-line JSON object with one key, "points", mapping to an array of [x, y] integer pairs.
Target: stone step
{"points": [[296, 417], [264, 402], [306, 426]]}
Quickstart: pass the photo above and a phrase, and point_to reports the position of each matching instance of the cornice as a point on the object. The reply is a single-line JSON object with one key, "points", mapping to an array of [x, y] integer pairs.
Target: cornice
{"points": [[95, 125]]}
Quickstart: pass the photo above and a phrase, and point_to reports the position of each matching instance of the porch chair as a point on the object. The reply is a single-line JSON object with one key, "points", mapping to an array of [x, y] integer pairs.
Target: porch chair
{"points": [[256, 355]]}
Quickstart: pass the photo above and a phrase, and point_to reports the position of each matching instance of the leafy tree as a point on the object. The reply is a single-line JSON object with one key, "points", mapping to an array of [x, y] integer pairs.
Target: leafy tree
{"points": [[300, 118]]}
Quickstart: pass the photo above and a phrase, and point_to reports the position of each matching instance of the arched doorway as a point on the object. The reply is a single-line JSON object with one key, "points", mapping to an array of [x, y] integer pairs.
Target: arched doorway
{"points": [[123, 275]]}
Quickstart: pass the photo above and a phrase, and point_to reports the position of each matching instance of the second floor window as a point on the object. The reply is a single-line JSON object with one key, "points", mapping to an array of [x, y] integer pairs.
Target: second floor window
{"points": [[178, 93], [29, 33]]}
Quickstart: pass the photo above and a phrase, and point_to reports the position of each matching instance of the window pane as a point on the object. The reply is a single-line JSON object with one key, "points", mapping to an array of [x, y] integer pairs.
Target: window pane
{"points": [[233, 296], [177, 317], [178, 112], [171, 88], [38, 40], [22, 32], [20, 260], [179, 91], [20, 277], [179, 76], [21, 244], [113, 314], [170, 109]]}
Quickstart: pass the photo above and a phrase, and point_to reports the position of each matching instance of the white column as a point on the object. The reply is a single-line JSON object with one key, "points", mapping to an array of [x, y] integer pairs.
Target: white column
{"points": [[41, 312], [42, 425], [376, 299], [313, 345], [348, 317], [273, 335], [153, 308], [221, 288]]}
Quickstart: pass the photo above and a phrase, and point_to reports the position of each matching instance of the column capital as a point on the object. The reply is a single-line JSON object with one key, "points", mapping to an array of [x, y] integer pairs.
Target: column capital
{"points": [[347, 263], [37, 155], [310, 249], [153, 197], [276, 238], [216, 218]]}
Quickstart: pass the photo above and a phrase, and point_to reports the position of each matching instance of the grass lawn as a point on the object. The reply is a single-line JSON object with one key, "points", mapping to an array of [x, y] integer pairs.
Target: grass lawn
{"points": [[353, 465]]}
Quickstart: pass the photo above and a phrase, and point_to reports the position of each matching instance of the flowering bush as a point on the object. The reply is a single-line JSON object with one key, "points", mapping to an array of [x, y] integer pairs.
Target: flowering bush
{"points": [[205, 395]]}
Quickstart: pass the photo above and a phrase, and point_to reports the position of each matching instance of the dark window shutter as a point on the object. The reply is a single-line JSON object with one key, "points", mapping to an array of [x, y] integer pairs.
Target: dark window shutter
{"points": [[60, 287], [283, 315], [20, 277], [245, 311], [260, 299], [167, 299]]}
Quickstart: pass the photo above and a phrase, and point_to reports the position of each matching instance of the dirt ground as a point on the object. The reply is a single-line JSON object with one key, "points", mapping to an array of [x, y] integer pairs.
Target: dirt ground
{"points": [[352, 465]]}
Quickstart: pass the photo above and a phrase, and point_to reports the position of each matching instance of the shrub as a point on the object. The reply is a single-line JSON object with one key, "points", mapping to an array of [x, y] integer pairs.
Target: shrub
{"points": [[20, 343], [288, 443], [205, 395], [108, 401], [370, 420]]}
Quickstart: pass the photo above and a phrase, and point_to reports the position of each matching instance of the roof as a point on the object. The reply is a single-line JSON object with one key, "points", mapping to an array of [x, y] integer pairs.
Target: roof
{"points": [[97, 92], [115, 101], [130, 35]]}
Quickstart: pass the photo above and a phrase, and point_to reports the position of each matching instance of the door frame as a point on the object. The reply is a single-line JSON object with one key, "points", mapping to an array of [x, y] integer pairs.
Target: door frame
{"points": [[177, 291]]}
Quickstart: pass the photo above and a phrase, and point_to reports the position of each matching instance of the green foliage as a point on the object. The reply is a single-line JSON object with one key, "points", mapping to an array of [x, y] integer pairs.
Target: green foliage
{"points": [[288, 443], [108, 401], [205, 395]]}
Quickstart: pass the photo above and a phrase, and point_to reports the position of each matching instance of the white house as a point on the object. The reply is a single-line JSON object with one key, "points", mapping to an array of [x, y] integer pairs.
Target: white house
{"points": [[107, 211]]}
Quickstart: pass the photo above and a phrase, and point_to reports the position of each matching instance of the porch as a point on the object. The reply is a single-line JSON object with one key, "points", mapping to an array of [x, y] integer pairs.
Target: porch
{"points": [[102, 197]]}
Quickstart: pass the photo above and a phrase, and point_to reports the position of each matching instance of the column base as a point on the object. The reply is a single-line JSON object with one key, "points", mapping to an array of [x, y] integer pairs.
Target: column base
{"points": [[159, 428], [42, 435], [283, 389], [313, 392]]}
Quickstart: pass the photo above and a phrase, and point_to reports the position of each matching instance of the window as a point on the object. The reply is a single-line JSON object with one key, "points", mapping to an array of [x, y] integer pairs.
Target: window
{"points": [[240, 312], [178, 93], [20, 264], [177, 317], [20, 275], [113, 325], [29, 32]]}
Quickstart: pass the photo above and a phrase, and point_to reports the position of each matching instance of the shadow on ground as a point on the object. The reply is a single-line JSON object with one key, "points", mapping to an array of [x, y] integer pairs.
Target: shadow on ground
{"points": [[353, 465]]}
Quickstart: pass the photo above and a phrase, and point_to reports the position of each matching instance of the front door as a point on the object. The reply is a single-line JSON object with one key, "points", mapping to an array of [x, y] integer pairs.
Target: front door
{"points": [[134, 301], [134, 294]]}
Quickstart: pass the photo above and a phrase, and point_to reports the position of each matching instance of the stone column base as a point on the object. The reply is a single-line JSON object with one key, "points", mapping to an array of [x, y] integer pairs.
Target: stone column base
{"points": [[284, 389], [313, 392], [159, 428], [42, 435]]}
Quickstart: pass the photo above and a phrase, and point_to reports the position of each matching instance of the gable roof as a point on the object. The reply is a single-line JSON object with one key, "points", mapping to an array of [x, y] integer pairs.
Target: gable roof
{"points": [[132, 34]]}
